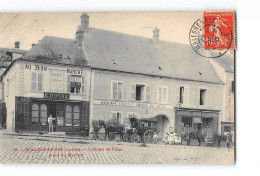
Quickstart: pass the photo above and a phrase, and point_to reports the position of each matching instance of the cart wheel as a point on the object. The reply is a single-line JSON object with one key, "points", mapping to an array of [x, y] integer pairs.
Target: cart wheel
{"points": [[148, 136], [135, 138]]}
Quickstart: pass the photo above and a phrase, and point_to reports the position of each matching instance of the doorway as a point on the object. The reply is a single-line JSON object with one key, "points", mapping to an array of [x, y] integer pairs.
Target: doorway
{"points": [[162, 126]]}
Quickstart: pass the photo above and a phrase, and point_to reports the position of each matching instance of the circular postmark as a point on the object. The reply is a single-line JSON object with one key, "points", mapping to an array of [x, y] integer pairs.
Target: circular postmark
{"points": [[210, 39]]}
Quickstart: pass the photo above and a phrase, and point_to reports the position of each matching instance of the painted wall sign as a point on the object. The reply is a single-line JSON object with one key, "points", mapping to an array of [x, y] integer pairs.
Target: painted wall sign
{"points": [[57, 96], [132, 104], [75, 72], [35, 67], [197, 113], [57, 81]]}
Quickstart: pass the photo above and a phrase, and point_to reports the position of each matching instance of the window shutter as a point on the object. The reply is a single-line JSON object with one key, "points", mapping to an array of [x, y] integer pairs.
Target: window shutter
{"points": [[68, 83], [186, 95], [198, 96], [133, 92], [114, 91], [164, 95], [83, 84], [208, 98], [177, 95], [148, 93], [120, 90], [33, 85], [40, 81]]}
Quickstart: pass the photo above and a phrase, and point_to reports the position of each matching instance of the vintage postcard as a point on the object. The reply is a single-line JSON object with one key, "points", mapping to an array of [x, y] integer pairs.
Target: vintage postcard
{"points": [[117, 88]]}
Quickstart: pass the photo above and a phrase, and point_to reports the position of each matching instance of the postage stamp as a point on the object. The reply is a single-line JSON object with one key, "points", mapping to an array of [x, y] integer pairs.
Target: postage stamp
{"points": [[213, 35]]}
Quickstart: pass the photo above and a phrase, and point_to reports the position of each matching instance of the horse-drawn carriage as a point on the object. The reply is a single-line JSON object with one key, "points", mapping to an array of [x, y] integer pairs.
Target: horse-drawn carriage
{"points": [[134, 130], [140, 130]]}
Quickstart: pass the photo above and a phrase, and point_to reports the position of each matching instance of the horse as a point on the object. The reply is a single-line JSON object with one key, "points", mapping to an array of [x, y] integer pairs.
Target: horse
{"points": [[115, 128]]}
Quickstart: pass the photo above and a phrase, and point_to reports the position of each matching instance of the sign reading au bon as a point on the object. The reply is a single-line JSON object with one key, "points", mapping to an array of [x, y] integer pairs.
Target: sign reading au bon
{"points": [[57, 96]]}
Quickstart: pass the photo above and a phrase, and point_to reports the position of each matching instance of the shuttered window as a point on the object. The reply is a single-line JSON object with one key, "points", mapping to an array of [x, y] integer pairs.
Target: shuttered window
{"points": [[162, 94], [148, 93], [37, 81], [117, 90]]}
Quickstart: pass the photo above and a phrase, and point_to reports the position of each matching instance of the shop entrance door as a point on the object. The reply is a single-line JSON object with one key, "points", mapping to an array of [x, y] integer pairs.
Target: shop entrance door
{"points": [[52, 111], [60, 115]]}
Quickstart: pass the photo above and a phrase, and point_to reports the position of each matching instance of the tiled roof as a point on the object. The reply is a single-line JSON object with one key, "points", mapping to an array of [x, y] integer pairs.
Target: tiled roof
{"points": [[122, 52], [13, 50], [226, 62], [56, 50]]}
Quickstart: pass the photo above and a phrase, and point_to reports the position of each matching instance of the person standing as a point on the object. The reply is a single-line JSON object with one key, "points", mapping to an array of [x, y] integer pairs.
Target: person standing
{"points": [[50, 123]]}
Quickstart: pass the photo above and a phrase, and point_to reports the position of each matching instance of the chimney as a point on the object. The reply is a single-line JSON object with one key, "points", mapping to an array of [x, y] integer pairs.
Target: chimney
{"points": [[17, 44], [33, 44], [79, 36], [84, 22], [156, 35]]}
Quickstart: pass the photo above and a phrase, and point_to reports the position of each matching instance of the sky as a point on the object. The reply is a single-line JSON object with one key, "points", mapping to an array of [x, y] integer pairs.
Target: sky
{"points": [[29, 28]]}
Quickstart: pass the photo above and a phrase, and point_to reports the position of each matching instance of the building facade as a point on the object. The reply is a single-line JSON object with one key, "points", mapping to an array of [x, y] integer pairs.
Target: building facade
{"points": [[39, 85], [225, 69], [105, 75]]}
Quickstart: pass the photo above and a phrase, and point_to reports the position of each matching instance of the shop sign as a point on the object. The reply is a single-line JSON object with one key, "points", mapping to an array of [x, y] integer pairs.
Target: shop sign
{"points": [[209, 114], [189, 113], [35, 67], [74, 72], [133, 104], [56, 96]]}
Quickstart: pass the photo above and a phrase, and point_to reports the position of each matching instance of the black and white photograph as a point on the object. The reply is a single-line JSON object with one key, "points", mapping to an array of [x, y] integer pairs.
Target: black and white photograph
{"points": [[118, 87]]}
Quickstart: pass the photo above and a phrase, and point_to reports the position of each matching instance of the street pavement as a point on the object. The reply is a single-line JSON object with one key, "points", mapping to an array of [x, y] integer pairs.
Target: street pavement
{"points": [[61, 150]]}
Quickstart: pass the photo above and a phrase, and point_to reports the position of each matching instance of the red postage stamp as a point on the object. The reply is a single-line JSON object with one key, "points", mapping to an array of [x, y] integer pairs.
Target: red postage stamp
{"points": [[219, 30]]}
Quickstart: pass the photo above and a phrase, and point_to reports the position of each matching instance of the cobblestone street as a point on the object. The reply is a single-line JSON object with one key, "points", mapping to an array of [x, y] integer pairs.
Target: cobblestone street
{"points": [[30, 149]]}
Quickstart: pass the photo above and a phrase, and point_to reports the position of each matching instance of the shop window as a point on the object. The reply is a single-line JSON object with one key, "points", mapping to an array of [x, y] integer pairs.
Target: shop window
{"points": [[35, 113], [75, 84], [68, 116], [181, 95], [203, 93], [227, 129], [117, 90], [141, 92], [207, 122], [76, 113], [162, 94], [116, 117], [232, 86], [187, 121], [43, 114], [36, 82]]}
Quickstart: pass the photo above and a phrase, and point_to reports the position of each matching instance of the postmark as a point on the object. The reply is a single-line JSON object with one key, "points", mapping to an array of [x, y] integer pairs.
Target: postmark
{"points": [[212, 35]]}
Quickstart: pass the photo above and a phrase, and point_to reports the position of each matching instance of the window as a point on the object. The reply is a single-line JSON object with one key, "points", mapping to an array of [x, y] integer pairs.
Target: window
{"points": [[35, 113], [131, 115], [116, 116], [76, 116], [72, 116], [141, 92], [181, 95], [68, 116], [117, 90], [74, 84], [162, 94], [43, 114], [207, 122], [187, 121], [232, 86], [203, 96], [37, 79]]}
